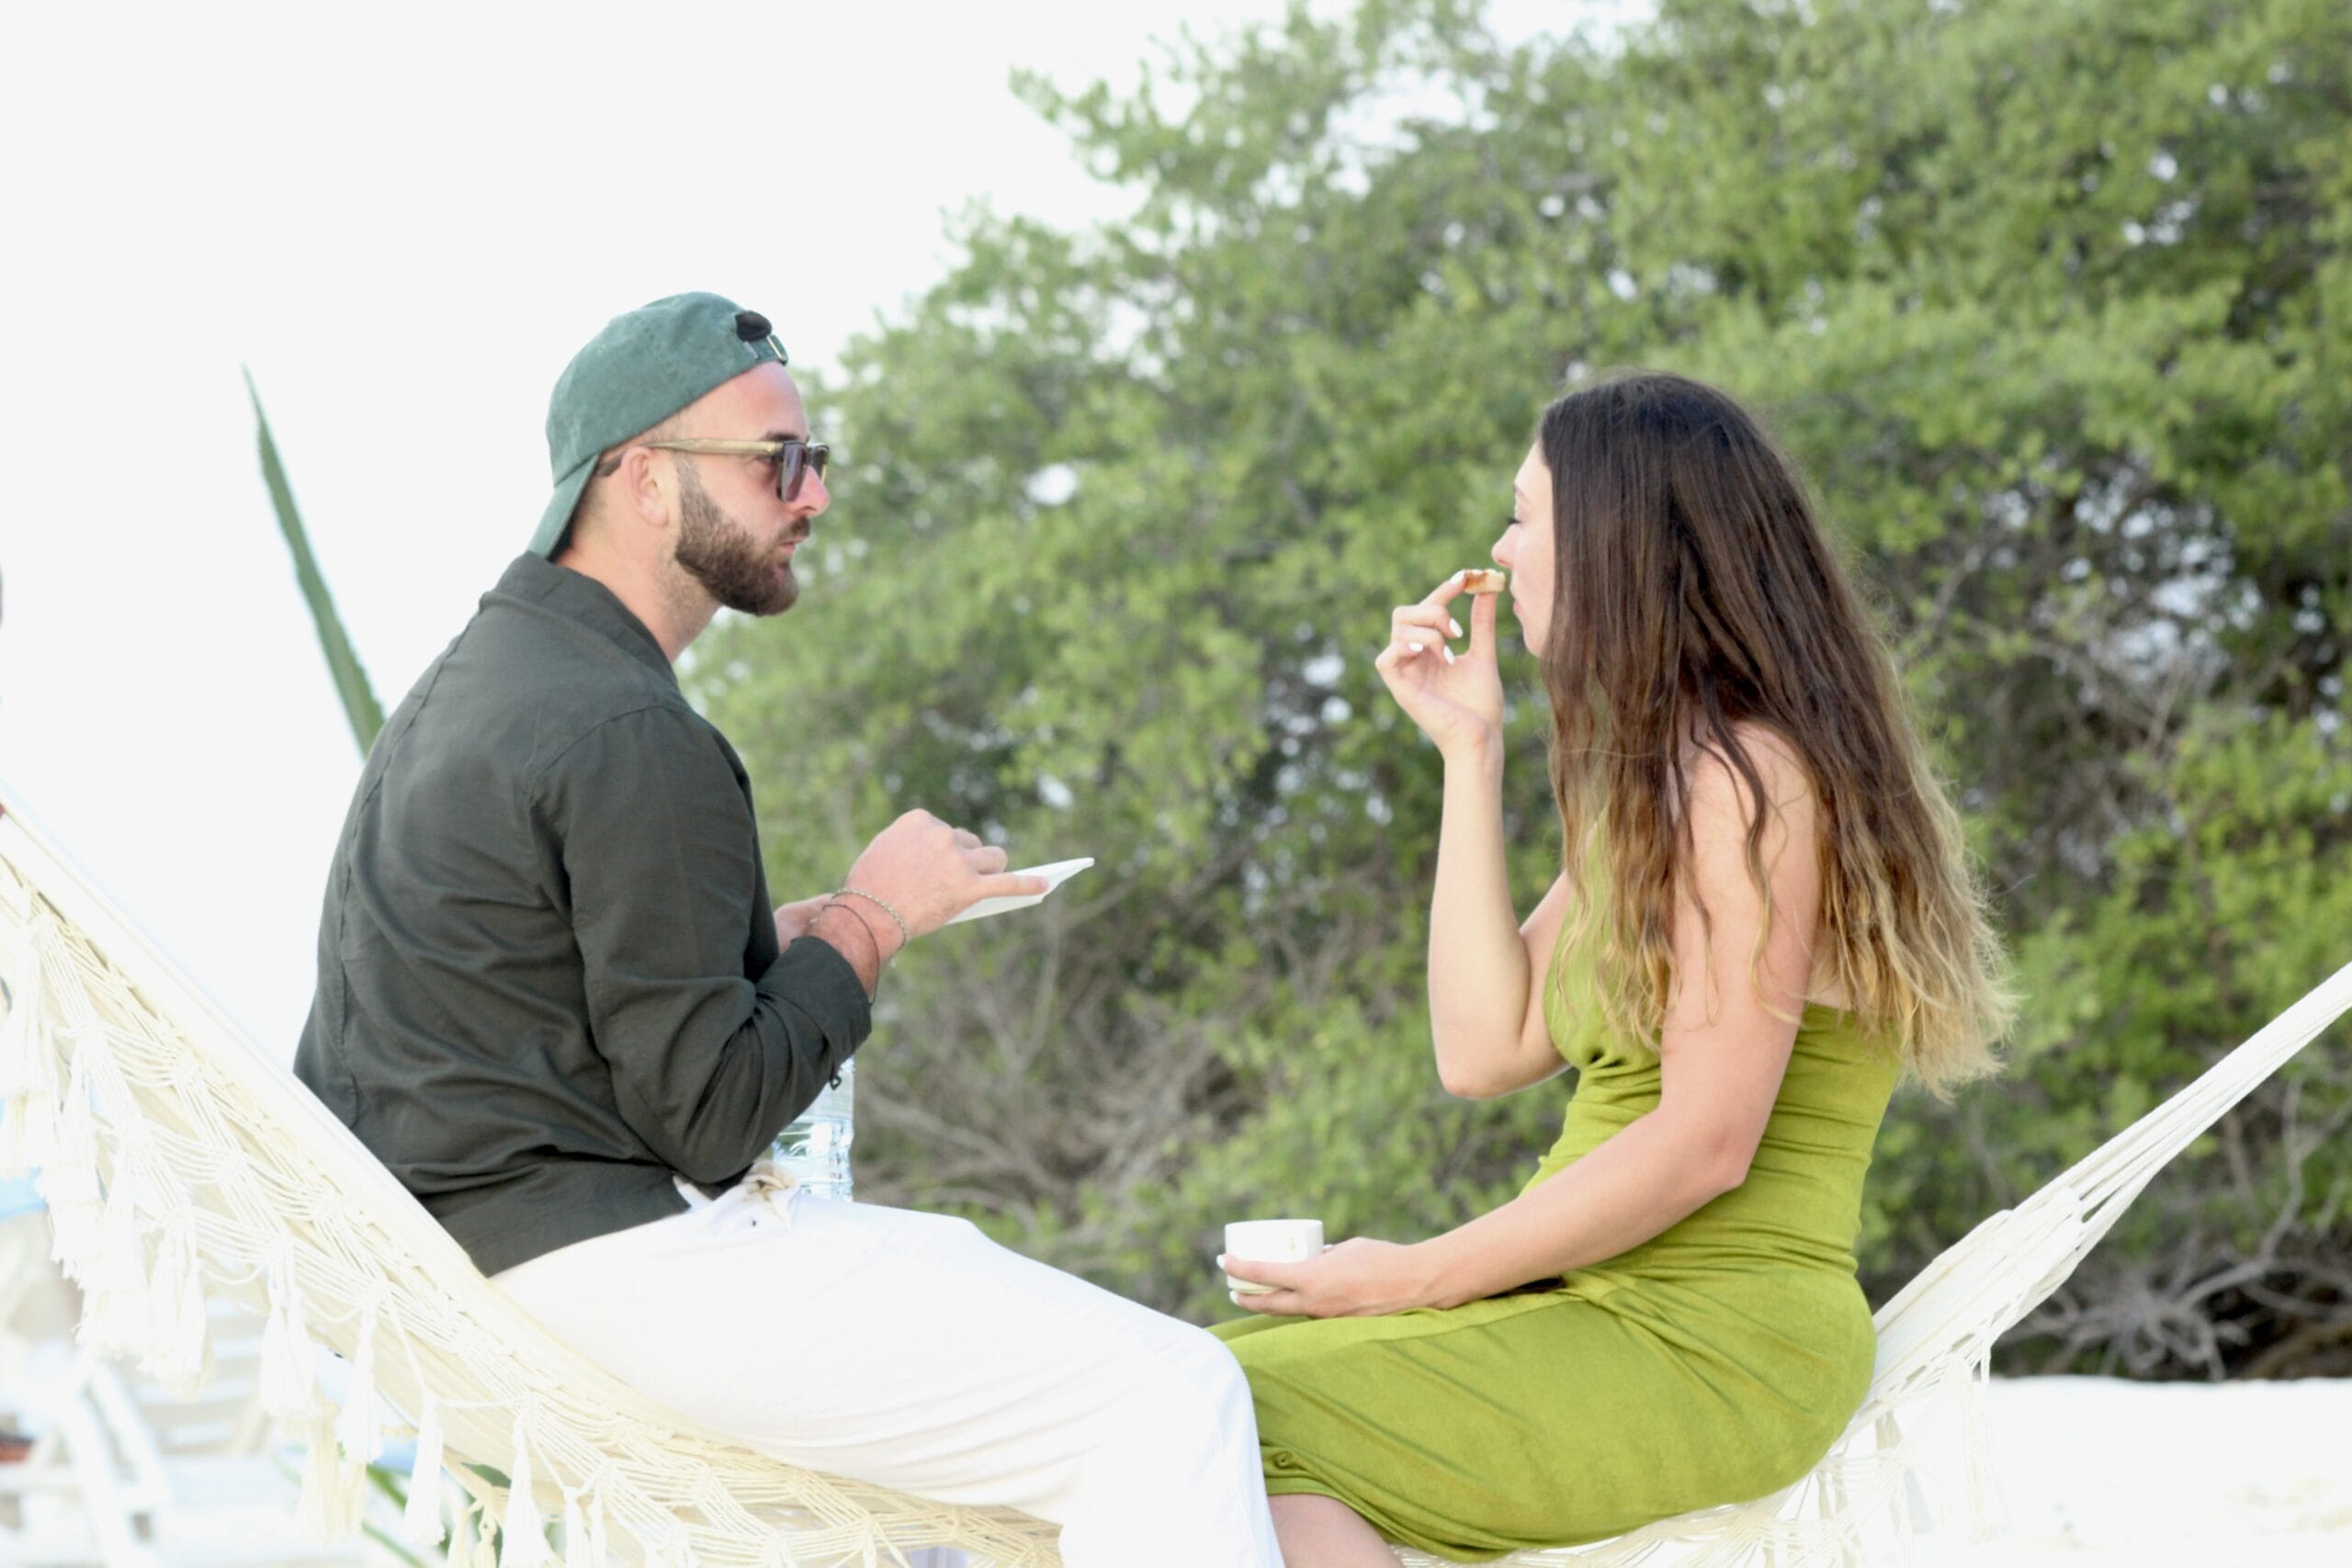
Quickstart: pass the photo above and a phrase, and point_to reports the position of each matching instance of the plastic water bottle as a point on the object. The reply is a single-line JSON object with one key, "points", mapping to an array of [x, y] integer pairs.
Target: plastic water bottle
{"points": [[815, 1147]]}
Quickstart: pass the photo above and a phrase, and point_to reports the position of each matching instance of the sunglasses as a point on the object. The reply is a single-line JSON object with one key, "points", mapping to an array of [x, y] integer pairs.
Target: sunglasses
{"points": [[793, 459]]}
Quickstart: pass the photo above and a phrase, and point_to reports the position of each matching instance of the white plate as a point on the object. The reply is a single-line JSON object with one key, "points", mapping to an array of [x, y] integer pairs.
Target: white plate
{"points": [[1061, 871]]}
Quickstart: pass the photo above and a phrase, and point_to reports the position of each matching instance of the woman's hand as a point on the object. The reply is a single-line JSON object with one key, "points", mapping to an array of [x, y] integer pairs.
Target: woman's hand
{"points": [[1359, 1277], [1456, 698]]}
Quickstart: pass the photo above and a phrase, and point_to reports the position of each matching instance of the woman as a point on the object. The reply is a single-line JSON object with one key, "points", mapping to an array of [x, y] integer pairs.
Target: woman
{"points": [[1764, 916]]}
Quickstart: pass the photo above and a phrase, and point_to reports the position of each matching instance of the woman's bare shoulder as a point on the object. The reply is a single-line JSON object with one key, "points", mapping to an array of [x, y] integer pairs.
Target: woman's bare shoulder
{"points": [[1717, 787]]}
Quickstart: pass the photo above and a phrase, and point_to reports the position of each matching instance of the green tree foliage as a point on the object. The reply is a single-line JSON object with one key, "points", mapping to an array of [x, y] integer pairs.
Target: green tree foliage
{"points": [[2051, 300]]}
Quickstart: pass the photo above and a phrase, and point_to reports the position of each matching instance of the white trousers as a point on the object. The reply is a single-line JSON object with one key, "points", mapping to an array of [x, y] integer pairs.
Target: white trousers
{"points": [[909, 1350]]}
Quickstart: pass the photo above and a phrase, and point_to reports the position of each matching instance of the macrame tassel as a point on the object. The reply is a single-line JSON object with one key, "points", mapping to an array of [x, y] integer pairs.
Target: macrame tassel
{"points": [[179, 1352], [67, 1155], [1829, 1500], [356, 1428], [116, 1323], [335, 1489], [1905, 1500], [461, 1537], [116, 1319], [314, 1429], [28, 1065], [575, 1531], [677, 1549], [599, 1548], [288, 1364], [76, 1146], [349, 1498], [459, 1554], [15, 1081], [422, 1524], [59, 1129], [120, 1261], [74, 1204], [524, 1536], [1984, 1505]]}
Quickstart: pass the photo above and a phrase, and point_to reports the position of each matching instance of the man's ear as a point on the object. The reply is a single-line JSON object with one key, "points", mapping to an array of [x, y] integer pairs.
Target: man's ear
{"points": [[642, 487]]}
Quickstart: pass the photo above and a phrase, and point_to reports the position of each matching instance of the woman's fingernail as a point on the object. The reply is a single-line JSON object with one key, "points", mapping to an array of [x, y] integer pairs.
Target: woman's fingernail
{"points": [[1414, 646], [1455, 625]]}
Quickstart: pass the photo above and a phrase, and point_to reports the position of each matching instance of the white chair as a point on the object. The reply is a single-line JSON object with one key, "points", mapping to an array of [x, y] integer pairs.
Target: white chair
{"points": [[180, 1164], [126, 1474]]}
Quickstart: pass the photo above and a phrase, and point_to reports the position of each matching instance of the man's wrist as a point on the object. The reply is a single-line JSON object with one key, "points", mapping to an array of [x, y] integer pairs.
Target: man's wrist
{"points": [[866, 903], [840, 926]]}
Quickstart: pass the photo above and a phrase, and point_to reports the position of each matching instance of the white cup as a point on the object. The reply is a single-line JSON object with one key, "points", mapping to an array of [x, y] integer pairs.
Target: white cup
{"points": [[1270, 1241]]}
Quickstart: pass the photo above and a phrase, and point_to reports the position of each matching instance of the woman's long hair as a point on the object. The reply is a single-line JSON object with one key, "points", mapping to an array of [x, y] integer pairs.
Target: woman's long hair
{"points": [[1695, 592]]}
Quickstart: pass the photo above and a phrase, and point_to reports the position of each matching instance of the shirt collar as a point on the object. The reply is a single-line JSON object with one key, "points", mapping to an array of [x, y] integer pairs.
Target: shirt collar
{"points": [[577, 596]]}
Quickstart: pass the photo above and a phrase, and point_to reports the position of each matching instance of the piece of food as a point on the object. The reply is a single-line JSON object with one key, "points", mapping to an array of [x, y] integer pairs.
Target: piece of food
{"points": [[1484, 579]]}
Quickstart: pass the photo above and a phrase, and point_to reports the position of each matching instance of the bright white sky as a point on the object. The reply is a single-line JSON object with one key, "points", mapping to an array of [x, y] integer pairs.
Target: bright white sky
{"points": [[405, 219]]}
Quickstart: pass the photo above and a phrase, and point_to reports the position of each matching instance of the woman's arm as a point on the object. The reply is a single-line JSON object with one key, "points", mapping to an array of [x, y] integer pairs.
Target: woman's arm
{"points": [[1486, 972], [1723, 1049]]}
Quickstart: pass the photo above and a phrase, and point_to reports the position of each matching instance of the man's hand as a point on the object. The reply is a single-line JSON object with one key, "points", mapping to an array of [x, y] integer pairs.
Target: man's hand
{"points": [[930, 872], [1359, 1277], [792, 920]]}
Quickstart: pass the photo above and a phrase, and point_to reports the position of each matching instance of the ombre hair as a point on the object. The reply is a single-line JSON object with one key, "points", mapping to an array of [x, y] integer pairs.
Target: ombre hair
{"points": [[1695, 593]]}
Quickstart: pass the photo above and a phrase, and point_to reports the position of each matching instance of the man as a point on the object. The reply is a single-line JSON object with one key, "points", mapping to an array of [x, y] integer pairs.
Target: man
{"points": [[553, 1000]]}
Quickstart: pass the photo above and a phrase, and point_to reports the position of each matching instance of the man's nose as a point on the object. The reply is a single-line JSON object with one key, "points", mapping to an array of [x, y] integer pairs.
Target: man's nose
{"points": [[812, 497]]}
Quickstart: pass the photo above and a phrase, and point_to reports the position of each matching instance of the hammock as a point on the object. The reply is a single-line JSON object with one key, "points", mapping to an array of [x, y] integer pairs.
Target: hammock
{"points": [[179, 1163]]}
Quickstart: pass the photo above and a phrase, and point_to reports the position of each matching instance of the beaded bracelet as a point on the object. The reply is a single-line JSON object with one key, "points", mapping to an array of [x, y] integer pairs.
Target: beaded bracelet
{"points": [[881, 959], [905, 935]]}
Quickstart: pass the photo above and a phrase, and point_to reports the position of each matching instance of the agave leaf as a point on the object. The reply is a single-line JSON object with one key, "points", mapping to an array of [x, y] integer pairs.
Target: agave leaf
{"points": [[350, 678]]}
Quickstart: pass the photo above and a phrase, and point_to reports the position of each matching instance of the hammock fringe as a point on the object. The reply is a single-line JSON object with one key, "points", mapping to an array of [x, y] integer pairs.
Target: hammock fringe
{"points": [[523, 1534], [421, 1521]]}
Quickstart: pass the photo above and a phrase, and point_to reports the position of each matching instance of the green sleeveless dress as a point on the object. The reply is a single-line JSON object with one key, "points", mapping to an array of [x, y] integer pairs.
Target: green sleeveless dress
{"points": [[1715, 1363]]}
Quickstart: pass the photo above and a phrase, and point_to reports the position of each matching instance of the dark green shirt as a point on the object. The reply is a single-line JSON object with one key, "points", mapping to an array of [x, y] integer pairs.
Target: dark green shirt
{"points": [[547, 969]]}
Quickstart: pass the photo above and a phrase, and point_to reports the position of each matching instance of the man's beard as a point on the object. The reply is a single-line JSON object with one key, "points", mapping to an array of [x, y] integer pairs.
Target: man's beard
{"points": [[719, 553]]}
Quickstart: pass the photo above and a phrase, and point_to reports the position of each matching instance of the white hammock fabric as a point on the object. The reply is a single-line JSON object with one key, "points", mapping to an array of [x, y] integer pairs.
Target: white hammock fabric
{"points": [[179, 1163]]}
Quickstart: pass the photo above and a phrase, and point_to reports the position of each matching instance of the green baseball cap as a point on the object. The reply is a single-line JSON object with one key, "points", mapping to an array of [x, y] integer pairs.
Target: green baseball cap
{"points": [[639, 370]]}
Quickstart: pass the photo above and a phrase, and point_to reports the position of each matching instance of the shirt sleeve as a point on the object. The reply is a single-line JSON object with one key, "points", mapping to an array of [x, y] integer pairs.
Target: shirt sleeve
{"points": [[655, 836]]}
